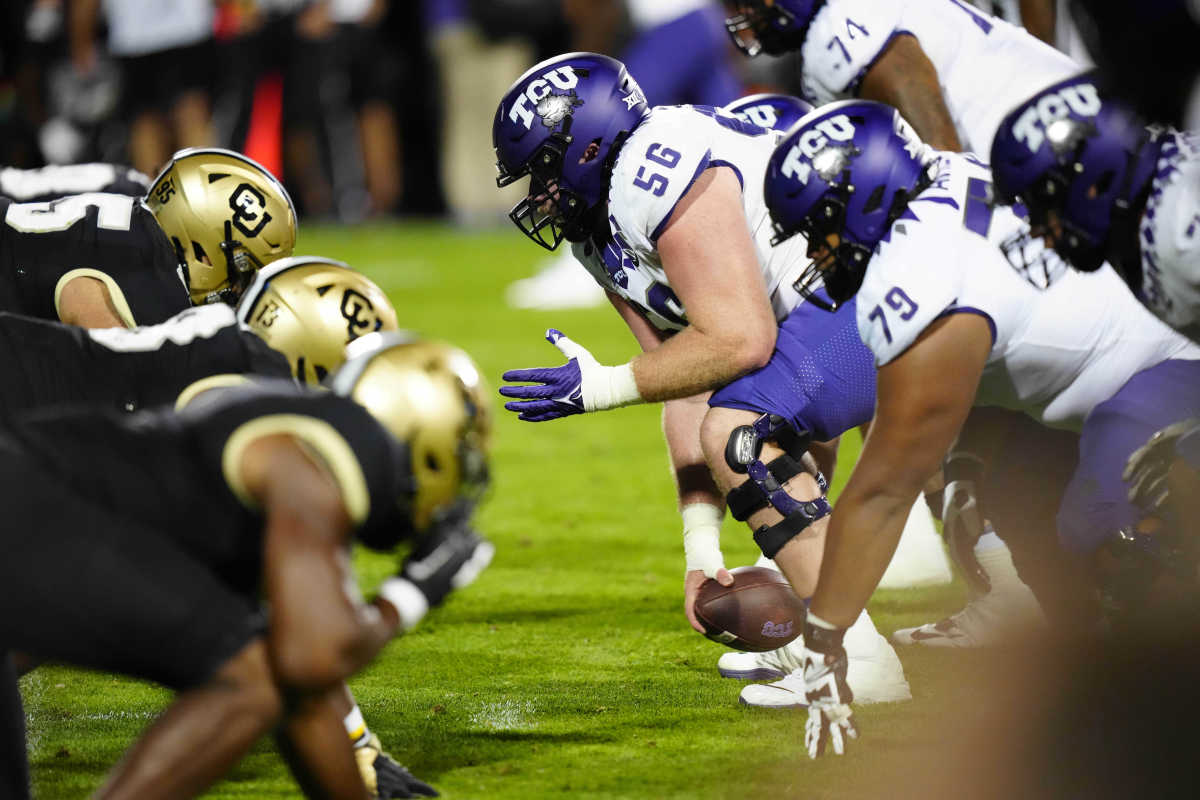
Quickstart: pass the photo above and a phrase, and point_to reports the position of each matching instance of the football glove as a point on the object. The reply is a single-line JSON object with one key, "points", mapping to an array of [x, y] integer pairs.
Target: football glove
{"points": [[450, 557], [385, 778], [962, 518], [582, 384], [1147, 467], [830, 720]]}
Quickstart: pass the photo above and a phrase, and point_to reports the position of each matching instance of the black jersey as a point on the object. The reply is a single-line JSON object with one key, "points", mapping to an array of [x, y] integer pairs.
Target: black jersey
{"points": [[111, 237], [60, 180], [178, 472], [47, 363]]}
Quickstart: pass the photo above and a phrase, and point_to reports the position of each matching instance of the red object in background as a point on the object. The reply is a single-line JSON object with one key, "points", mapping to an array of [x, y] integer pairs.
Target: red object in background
{"points": [[264, 137]]}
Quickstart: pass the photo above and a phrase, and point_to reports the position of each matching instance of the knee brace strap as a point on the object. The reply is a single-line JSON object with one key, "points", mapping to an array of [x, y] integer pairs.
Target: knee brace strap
{"points": [[749, 497], [771, 539]]}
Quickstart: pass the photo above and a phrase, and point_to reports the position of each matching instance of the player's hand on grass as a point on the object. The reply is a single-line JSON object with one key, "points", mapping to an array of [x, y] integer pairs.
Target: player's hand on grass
{"points": [[830, 720], [386, 779], [450, 557], [582, 384], [1147, 467]]}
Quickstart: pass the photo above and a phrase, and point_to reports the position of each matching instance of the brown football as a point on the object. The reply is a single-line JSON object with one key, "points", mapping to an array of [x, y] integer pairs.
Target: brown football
{"points": [[759, 612]]}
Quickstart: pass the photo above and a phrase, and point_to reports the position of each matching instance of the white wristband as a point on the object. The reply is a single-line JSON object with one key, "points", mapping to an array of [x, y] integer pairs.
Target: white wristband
{"points": [[702, 538], [408, 600], [616, 387]]}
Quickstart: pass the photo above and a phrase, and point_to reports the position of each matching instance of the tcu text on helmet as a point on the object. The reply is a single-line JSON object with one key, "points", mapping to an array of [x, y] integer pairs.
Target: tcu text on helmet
{"points": [[763, 115], [797, 164], [563, 78], [1030, 127]]}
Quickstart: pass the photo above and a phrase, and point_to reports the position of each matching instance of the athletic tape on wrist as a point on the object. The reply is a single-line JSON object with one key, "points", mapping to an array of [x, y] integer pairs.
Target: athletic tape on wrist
{"points": [[702, 538], [408, 600], [619, 388]]}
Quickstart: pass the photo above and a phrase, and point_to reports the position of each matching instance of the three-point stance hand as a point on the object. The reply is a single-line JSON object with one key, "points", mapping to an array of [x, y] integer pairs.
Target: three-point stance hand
{"points": [[830, 720], [582, 384]]}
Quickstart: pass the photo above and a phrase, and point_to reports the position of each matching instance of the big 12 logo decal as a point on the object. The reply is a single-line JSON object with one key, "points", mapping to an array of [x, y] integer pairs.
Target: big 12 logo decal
{"points": [[1082, 100]]}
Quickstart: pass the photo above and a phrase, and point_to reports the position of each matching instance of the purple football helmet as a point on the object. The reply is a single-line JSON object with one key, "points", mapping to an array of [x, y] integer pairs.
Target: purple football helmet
{"points": [[848, 169], [562, 124], [775, 28], [777, 111], [1072, 152]]}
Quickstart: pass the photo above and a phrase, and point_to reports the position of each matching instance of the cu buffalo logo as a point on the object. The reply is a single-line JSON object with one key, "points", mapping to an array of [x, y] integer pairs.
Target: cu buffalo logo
{"points": [[359, 314], [249, 209]]}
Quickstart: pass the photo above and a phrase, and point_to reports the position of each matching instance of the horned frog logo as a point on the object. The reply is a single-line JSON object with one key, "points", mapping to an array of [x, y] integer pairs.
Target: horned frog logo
{"points": [[359, 314], [249, 209], [554, 108]]}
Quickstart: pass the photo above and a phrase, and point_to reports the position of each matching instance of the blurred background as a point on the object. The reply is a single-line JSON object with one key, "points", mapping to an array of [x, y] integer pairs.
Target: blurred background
{"points": [[365, 108]]}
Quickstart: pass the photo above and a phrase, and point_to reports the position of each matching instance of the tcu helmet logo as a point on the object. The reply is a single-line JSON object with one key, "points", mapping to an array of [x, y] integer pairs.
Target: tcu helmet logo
{"points": [[1030, 128], [561, 78], [249, 209], [798, 161], [359, 314], [764, 116]]}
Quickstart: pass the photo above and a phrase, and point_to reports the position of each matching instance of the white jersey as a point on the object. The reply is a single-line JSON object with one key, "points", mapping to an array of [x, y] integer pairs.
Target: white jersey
{"points": [[1056, 353], [985, 65], [657, 165], [1169, 233]]}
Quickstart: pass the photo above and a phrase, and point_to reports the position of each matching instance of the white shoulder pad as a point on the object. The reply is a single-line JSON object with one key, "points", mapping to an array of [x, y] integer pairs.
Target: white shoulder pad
{"points": [[843, 40], [911, 281], [656, 167]]}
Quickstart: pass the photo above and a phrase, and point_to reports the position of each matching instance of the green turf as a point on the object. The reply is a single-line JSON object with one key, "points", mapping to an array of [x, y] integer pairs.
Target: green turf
{"points": [[568, 667]]}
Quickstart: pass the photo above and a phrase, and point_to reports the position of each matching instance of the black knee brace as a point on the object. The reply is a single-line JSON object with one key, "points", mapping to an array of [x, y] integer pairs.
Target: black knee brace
{"points": [[764, 483]]}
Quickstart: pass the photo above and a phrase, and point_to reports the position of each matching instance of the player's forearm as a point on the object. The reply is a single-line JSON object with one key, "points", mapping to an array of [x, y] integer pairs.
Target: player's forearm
{"points": [[862, 537], [694, 361]]}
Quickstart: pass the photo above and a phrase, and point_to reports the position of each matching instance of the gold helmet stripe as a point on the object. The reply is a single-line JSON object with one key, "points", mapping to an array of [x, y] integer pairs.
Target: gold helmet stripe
{"points": [[320, 439], [264, 276]]}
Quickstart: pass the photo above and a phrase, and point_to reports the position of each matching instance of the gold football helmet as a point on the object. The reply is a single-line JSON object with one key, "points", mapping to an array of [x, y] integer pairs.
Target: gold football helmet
{"points": [[310, 308], [226, 215], [424, 393]]}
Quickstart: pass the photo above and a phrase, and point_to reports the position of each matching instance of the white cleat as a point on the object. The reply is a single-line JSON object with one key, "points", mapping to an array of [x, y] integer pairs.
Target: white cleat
{"points": [[769, 666], [1005, 614], [563, 283], [873, 671]]}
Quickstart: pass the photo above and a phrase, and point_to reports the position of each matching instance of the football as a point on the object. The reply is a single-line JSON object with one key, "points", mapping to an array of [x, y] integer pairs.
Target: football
{"points": [[759, 612]]}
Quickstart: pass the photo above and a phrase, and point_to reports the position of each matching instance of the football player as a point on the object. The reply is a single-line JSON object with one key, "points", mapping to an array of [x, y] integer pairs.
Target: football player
{"points": [[180, 522], [294, 321], [891, 223], [110, 260], [682, 248], [951, 70], [1105, 188]]}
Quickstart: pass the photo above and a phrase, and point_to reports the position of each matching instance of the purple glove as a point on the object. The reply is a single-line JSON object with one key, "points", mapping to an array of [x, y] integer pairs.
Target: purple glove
{"points": [[558, 391]]}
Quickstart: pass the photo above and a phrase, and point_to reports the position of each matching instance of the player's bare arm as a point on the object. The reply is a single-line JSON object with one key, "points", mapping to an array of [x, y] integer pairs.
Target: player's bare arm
{"points": [[707, 253], [86, 302], [924, 396], [904, 77], [321, 632]]}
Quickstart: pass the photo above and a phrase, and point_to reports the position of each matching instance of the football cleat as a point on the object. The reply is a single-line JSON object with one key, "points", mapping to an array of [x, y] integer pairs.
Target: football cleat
{"points": [[769, 666], [563, 283], [873, 672], [1006, 613], [384, 778]]}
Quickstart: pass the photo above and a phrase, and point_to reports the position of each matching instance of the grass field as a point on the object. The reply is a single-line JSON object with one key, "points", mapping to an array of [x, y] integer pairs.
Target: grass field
{"points": [[568, 667]]}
